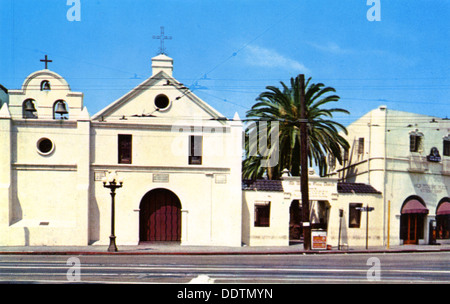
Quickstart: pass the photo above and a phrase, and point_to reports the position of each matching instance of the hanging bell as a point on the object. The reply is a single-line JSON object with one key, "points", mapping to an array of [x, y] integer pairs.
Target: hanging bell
{"points": [[61, 108], [45, 86], [29, 106]]}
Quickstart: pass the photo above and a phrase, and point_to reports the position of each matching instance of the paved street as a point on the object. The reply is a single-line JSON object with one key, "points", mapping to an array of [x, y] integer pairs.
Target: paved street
{"points": [[427, 267]]}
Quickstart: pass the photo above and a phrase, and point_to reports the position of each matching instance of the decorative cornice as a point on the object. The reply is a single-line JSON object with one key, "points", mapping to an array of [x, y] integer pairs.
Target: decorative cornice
{"points": [[156, 127], [60, 123], [44, 167], [160, 169]]}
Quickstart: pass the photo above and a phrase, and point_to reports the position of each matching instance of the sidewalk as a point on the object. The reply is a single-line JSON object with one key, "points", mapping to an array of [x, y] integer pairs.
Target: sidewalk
{"points": [[176, 249]]}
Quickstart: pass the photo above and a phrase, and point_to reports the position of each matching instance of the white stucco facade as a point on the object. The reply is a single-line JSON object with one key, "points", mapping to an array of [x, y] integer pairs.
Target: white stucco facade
{"points": [[390, 150], [181, 164], [51, 192], [327, 197]]}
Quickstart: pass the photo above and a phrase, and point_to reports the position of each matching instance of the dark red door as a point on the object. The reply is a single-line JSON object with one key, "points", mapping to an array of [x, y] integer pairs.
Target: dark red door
{"points": [[160, 216]]}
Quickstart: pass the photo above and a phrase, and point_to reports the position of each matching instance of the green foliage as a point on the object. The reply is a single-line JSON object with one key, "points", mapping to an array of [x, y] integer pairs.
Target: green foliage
{"points": [[283, 105]]}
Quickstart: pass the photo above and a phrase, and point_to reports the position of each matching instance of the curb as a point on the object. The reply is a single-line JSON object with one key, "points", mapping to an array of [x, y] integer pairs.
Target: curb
{"points": [[324, 252]]}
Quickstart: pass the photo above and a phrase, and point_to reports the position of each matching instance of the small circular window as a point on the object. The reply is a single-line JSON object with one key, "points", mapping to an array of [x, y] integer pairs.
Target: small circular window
{"points": [[162, 101], [45, 146]]}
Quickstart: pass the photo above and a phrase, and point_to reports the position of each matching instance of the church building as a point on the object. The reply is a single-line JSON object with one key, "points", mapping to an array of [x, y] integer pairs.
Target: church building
{"points": [[179, 159]]}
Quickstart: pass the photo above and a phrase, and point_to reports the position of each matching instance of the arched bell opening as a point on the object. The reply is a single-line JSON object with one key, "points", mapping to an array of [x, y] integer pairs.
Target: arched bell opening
{"points": [[60, 110]]}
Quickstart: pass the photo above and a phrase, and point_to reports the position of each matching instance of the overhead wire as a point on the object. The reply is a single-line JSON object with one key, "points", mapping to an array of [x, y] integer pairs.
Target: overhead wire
{"points": [[254, 88]]}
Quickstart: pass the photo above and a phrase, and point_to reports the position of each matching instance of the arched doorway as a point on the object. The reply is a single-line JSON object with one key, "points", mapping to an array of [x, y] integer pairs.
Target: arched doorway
{"points": [[160, 217], [443, 219], [412, 219]]}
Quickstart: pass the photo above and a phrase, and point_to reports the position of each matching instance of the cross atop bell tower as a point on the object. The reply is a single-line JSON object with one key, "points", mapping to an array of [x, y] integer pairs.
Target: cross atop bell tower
{"points": [[162, 49], [46, 60]]}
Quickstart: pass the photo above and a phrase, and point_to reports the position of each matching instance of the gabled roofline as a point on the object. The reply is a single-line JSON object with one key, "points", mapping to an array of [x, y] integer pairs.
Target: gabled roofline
{"points": [[123, 99], [149, 82]]}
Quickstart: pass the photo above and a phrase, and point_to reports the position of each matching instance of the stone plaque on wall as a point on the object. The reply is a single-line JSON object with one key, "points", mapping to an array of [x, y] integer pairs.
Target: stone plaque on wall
{"points": [[160, 178]]}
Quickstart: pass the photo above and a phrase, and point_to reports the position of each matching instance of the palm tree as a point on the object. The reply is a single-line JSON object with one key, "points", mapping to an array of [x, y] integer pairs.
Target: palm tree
{"points": [[283, 107]]}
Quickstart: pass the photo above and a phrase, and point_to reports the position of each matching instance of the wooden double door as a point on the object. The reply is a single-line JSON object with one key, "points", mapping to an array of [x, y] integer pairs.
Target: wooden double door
{"points": [[412, 228], [160, 217]]}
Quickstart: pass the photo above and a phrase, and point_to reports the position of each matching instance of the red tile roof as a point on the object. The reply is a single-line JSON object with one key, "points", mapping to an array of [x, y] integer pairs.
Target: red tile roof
{"points": [[276, 186], [356, 188], [262, 185]]}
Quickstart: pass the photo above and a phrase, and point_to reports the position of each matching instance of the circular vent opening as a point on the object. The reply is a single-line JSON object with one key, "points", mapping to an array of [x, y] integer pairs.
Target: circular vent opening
{"points": [[45, 146], [162, 101]]}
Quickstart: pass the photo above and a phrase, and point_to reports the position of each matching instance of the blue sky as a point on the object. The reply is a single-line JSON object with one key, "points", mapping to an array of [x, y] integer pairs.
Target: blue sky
{"points": [[228, 51]]}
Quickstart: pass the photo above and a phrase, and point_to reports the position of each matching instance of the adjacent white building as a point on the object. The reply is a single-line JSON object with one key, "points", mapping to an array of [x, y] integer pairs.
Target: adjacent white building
{"points": [[272, 213], [406, 156]]}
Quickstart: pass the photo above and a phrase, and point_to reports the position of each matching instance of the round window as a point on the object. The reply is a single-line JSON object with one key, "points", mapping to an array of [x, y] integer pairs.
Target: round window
{"points": [[45, 146], [162, 101]]}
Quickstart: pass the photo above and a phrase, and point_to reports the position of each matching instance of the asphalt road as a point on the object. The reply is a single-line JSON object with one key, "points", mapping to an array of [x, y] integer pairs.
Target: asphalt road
{"points": [[284, 269]]}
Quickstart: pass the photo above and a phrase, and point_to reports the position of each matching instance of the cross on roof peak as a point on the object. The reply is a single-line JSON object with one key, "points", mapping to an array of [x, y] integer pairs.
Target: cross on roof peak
{"points": [[46, 60], [162, 49]]}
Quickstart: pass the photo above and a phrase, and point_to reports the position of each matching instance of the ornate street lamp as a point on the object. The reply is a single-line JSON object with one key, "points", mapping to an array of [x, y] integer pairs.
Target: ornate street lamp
{"points": [[112, 181]]}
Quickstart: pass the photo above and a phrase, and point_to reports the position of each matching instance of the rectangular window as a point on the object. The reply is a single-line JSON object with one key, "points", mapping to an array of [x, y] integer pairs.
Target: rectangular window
{"points": [[415, 143], [446, 147], [124, 149], [354, 217], [331, 161], [195, 150], [345, 155], [361, 145], [262, 214]]}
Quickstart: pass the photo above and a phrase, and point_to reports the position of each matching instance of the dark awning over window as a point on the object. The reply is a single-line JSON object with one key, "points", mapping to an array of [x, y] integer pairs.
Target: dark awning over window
{"points": [[443, 209], [414, 206]]}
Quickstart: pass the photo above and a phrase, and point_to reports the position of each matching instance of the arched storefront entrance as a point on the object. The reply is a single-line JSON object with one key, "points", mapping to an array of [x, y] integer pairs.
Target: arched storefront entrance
{"points": [[160, 217], [443, 219], [412, 219]]}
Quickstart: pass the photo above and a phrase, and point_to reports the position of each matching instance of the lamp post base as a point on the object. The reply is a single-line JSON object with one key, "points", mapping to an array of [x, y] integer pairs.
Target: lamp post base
{"points": [[112, 244]]}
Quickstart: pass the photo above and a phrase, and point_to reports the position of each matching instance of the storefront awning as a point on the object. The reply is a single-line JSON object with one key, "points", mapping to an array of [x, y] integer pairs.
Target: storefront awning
{"points": [[443, 209], [414, 206]]}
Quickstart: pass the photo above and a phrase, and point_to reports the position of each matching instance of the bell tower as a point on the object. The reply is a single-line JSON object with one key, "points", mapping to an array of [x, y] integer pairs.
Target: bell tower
{"points": [[45, 95]]}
